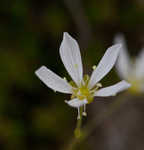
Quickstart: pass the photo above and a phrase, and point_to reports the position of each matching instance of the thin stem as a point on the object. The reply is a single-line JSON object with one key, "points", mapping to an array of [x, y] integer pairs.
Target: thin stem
{"points": [[77, 131]]}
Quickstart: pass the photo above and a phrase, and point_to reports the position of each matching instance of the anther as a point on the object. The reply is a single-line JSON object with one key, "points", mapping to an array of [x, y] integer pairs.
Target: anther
{"points": [[94, 67], [99, 85], [66, 101], [65, 78]]}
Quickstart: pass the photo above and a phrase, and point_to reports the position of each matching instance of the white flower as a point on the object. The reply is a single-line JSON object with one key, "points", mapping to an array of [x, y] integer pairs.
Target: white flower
{"points": [[128, 69], [82, 88]]}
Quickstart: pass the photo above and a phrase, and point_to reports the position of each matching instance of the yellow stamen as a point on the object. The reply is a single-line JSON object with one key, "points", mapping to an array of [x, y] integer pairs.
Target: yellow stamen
{"points": [[83, 92], [94, 67], [65, 78], [136, 86]]}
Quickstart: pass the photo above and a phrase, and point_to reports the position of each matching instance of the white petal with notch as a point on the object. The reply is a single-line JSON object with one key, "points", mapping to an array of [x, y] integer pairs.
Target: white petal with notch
{"points": [[113, 90], [53, 81], [71, 58], [76, 102], [105, 65]]}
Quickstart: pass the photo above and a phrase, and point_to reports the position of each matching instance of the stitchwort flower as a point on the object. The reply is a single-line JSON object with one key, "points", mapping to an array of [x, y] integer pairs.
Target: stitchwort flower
{"points": [[83, 89], [129, 69]]}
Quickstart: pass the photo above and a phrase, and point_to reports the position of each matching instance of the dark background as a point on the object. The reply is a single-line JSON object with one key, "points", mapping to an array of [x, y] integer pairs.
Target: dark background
{"points": [[33, 117]]}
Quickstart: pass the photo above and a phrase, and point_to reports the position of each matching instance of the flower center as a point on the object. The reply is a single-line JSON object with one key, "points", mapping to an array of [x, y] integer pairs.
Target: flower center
{"points": [[83, 92], [136, 86]]}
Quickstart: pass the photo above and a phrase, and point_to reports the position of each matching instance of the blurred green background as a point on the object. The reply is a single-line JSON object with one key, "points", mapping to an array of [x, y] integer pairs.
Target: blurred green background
{"points": [[33, 117]]}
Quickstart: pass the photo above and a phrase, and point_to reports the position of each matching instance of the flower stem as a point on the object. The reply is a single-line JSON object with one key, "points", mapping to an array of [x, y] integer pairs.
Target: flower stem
{"points": [[77, 131]]}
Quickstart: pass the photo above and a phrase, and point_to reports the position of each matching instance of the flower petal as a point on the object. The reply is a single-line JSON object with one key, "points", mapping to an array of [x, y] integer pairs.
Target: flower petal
{"points": [[105, 65], [140, 65], [71, 57], [53, 81], [123, 64], [113, 90], [76, 102]]}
